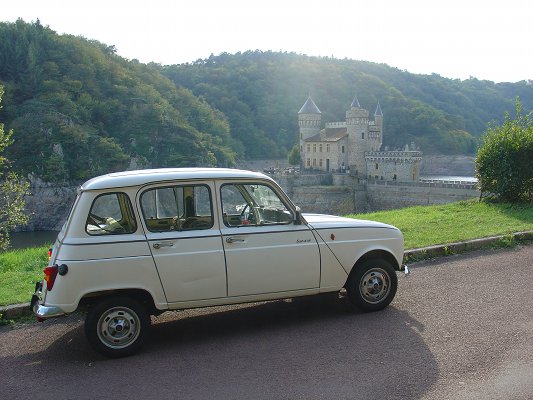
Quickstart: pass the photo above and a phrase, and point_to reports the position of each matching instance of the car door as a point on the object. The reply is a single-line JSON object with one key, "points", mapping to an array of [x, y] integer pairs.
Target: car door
{"points": [[184, 238], [266, 251]]}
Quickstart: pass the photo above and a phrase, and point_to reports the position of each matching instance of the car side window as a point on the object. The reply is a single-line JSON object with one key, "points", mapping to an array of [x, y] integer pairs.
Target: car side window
{"points": [[111, 214], [253, 204], [177, 208]]}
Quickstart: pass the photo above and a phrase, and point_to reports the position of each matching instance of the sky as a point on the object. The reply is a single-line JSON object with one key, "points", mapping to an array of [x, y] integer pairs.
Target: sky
{"points": [[459, 39]]}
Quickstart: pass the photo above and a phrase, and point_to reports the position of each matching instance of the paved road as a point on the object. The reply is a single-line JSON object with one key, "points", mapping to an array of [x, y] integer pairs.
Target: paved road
{"points": [[460, 328]]}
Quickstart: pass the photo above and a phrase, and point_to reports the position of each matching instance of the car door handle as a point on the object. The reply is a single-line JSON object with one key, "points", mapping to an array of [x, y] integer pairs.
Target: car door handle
{"points": [[233, 240], [158, 245]]}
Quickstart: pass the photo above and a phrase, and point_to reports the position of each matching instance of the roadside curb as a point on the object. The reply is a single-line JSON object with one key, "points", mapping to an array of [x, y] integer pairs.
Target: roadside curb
{"points": [[422, 253], [15, 310]]}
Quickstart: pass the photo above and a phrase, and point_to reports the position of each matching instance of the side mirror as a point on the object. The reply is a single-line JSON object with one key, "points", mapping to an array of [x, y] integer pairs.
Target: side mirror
{"points": [[298, 216]]}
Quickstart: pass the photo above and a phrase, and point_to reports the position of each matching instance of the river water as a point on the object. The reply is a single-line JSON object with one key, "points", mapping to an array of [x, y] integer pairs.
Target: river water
{"points": [[22, 240]]}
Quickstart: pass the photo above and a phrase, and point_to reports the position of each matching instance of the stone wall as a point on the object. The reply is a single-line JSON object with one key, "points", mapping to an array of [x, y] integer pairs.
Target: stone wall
{"points": [[388, 196], [346, 194], [337, 200]]}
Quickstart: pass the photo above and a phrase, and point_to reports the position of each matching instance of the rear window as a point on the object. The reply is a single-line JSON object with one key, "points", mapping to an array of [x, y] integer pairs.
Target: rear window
{"points": [[111, 214]]}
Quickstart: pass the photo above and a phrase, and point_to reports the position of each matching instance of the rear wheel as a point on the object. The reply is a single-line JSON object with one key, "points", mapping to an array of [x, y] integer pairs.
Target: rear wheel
{"points": [[373, 285], [117, 326]]}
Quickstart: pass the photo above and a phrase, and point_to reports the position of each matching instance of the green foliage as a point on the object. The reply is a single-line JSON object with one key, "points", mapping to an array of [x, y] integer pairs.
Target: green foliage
{"points": [[294, 155], [504, 163], [80, 110], [12, 191]]}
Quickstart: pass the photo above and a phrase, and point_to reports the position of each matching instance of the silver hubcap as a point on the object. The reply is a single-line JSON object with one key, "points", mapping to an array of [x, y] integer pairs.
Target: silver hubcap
{"points": [[375, 285], [118, 327]]}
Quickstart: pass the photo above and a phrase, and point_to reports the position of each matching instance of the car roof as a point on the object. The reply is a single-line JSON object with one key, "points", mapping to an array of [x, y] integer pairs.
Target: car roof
{"points": [[145, 176]]}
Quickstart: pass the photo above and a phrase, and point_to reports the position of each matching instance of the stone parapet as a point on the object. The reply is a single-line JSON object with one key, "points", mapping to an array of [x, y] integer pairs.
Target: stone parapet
{"points": [[393, 156]]}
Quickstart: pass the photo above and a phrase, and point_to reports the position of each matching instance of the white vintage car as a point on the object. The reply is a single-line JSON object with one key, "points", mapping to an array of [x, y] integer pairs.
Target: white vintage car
{"points": [[139, 243]]}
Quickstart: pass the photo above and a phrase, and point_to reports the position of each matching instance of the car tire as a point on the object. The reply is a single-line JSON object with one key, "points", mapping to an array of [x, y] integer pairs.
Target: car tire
{"points": [[372, 285], [117, 326]]}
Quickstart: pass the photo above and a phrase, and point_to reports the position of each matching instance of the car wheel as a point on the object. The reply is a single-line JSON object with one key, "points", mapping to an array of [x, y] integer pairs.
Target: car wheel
{"points": [[372, 285], [117, 327]]}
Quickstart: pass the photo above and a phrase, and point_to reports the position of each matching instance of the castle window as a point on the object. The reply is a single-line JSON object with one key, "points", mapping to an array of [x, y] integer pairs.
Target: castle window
{"points": [[320, 162], [308, 148], [362, 135], [308, 163], [342, 149], [320, 148], [314, 162], [314, 147], [377, 166], [327, 147]]}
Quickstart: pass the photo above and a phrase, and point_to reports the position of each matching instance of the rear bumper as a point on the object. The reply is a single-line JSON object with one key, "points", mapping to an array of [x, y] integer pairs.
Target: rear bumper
{"points": [[41, 311]]}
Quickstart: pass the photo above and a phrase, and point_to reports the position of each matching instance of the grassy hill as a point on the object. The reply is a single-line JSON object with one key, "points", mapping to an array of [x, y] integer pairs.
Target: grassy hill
{"points": [[79, 110]]}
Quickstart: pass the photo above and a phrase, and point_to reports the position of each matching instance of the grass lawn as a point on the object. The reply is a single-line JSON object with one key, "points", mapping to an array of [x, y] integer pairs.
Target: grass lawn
{"points": [[421, 226], [19, 270], [441, 224]]}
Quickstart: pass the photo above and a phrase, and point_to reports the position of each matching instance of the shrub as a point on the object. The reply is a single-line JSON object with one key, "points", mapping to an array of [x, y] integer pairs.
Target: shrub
{"points": [[504, 163]]}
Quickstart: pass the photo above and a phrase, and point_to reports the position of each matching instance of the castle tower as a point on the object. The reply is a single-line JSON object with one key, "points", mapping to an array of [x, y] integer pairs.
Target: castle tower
{"points": [[309, 121], [358, 137]]}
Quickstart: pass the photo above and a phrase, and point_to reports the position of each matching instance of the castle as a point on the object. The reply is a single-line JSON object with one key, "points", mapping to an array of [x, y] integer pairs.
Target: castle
{"points": [[353, 146]]}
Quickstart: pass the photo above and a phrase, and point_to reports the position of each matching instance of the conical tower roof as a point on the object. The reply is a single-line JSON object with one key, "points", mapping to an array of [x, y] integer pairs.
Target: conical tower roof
{"points": [[309, 107], [378, 112], [355, 103]]}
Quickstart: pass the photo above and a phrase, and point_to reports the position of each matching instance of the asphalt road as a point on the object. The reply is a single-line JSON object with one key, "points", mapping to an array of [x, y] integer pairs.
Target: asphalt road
{"points": [[460, 327]]}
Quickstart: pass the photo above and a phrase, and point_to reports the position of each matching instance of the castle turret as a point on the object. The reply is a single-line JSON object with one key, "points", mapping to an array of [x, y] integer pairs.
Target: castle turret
{"points": [[378, 123], [310, 121], [358, 138]]}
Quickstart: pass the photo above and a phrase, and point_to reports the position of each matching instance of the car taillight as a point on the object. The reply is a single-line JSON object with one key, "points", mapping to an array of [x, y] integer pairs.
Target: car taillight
{"points": [[49, 254], [50, 274]]}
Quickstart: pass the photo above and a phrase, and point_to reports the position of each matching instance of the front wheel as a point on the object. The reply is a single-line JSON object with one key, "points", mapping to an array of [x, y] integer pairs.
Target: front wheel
{"points": [[373, 285], [117, 327]]}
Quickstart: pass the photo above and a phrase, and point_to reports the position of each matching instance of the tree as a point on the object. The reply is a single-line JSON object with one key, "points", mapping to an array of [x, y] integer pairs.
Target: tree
{"points": [[294, 155], [504, 163], [12, 191]]}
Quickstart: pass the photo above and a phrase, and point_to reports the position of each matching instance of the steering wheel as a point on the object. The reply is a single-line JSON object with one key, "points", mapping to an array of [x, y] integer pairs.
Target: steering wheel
{"points": [[252, 216], [246, 207]]}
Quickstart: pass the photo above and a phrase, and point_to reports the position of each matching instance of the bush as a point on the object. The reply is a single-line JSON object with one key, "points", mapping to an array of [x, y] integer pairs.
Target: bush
{"points": [[504, 163]]}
